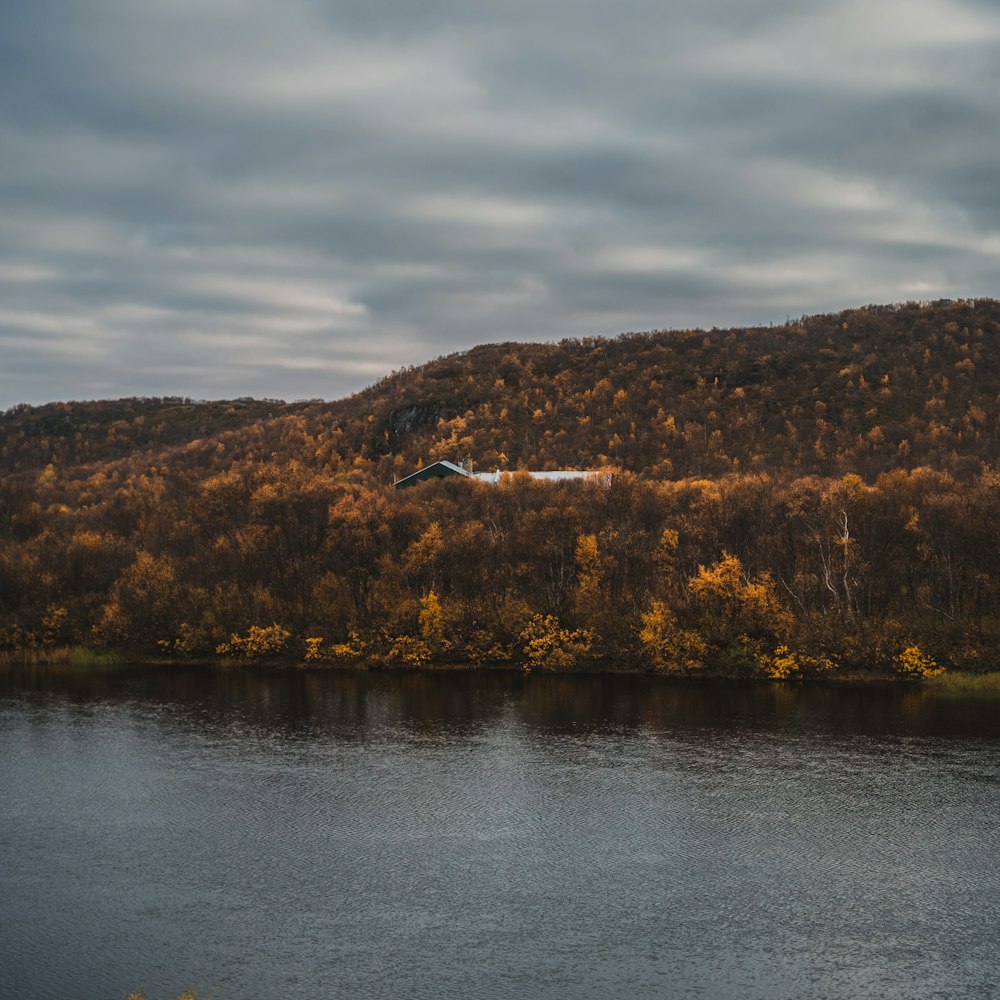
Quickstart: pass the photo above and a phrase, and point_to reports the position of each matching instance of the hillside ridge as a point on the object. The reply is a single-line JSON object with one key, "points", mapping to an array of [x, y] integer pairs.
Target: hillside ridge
{"points": [[864, 390]]}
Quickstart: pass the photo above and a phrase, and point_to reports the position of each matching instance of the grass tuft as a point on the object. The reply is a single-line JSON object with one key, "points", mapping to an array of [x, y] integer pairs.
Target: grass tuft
{"points": [[35, 657], [74, 656], [84, 657], [966, 685]]}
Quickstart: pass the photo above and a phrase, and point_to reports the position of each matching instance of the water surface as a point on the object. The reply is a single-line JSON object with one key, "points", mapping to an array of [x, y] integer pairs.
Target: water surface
{"points": [[273, 834]]}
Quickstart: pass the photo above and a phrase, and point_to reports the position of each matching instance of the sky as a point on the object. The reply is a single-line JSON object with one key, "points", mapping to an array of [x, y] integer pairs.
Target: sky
{"points": [[221, 198]]}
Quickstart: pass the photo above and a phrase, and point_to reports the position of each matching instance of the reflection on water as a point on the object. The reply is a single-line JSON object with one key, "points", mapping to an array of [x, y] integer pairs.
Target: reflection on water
{"points": [[287, 701], [295, 833]]}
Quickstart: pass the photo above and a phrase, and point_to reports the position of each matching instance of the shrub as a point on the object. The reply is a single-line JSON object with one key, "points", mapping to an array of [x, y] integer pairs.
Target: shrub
{"points": [[347, 652], [913, 662], [784, 663], [409, 651], [666, 645], [549, 646], [256, 643]]}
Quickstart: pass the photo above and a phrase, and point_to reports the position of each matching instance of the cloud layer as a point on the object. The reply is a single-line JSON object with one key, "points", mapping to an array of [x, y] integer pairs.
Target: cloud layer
{"points": [[236, 197]]}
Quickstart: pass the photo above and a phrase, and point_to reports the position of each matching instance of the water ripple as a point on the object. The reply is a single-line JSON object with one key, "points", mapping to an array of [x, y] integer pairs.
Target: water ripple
{"points": [[399, 836]]}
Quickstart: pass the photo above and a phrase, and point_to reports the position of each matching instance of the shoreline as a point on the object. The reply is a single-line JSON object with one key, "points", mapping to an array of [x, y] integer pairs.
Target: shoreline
{"points": [[986, 682]]}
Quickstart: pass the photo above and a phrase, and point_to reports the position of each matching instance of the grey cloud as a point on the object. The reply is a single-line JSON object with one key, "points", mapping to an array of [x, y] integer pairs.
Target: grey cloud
{"points": [[230, 197]]}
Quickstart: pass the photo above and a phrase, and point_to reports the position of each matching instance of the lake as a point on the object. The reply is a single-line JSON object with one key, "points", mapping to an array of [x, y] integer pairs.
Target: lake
{"points": [[270, 834]]}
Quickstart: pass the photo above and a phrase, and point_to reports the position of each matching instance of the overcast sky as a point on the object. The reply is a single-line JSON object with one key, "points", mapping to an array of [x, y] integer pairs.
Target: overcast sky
{"points": [[219, 198]]}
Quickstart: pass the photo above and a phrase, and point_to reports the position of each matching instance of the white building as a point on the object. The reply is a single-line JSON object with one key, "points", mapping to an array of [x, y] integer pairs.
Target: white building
{"points": [[445, 469]]}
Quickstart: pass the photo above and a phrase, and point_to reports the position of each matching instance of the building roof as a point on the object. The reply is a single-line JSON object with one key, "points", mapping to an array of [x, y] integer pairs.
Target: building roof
{"points": [[436, 470]]}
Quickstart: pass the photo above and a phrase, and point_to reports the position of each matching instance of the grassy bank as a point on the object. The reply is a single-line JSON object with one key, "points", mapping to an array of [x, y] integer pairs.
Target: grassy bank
{"points": [[967, 685], [73, 656]]}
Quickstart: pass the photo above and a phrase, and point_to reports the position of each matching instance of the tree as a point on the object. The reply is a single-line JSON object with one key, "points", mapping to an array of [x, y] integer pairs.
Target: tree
{"points": [[358, 538]]}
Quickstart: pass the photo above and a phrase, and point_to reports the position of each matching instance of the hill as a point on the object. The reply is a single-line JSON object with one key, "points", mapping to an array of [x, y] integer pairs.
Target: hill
{"points": [[74, 433], [827, 486], [863, 391]]}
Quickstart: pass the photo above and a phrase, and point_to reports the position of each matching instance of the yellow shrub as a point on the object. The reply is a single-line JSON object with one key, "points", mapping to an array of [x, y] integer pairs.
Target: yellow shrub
{"points": [[784, 663], [668, 646], [409, 651], [353, 649], [913, 662], [549, 646], [314, 650], [256, 643]]}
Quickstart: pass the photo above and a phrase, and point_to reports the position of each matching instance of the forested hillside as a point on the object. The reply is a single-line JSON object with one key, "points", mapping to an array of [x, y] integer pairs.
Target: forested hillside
{"points": [[862, 391], [68, 434], [817, 496]]}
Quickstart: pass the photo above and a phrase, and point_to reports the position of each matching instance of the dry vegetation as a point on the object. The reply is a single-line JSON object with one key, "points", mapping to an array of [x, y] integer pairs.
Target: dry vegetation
{"points": [[816, 497]]}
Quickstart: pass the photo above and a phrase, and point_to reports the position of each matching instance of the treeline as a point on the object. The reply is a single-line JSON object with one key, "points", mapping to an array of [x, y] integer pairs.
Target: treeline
{"points": [[864, 391], [68, 434], [745, 574]]}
